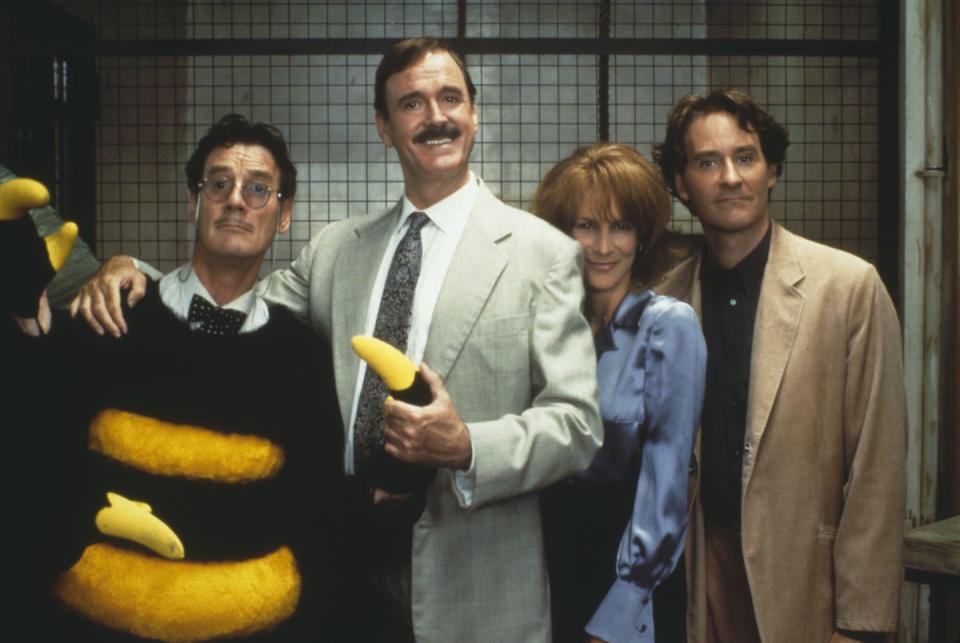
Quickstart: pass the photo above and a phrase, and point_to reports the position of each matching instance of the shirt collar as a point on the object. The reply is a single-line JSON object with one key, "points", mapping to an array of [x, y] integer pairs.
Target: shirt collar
{"points": [[448, 213], [748, 274], [179, 287], [630, 309], [626, 317]]}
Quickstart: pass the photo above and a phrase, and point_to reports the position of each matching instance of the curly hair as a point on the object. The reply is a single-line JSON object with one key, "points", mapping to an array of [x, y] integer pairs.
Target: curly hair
{"points": [[615, 178], [671, 154], [233, 129]]}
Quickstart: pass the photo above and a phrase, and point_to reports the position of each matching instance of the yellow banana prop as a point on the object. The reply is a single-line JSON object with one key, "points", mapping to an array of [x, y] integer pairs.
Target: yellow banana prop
{"points": [[398, 373], [135, 521]]}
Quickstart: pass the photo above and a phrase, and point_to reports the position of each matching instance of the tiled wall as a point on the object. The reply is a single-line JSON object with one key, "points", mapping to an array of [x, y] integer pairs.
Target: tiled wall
{"points": [[534, 109]]}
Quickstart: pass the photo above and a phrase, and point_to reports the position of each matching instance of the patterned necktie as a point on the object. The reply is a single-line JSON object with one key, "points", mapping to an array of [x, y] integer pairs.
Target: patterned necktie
{"points": [[204, 317], [393, 326]]}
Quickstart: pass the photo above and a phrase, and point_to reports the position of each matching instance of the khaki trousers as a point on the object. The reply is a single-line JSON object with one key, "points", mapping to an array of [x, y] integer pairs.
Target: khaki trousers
{"points": [[730, 616]]}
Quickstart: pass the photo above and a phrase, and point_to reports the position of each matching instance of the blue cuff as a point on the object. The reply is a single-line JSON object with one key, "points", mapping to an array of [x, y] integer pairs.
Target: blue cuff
{"points": [[626, 614], [465, 482]]}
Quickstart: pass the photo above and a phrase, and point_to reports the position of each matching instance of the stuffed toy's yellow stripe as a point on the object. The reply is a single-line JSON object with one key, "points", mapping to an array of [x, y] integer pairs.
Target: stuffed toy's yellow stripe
{"points": [[172, 600], [181, 450]]}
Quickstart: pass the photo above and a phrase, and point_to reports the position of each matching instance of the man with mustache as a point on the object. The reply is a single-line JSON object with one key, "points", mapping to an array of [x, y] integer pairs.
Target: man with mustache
{"points": [[798, 481], [488, 298]]}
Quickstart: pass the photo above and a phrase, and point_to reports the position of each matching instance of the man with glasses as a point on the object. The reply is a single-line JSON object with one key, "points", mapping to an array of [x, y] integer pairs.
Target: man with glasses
{"points": [[242, 186], [233, 435]]}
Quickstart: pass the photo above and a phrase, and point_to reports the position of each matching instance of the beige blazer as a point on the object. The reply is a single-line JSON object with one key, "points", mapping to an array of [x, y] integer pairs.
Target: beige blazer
{"points": [[824, 455], [517, 357]]}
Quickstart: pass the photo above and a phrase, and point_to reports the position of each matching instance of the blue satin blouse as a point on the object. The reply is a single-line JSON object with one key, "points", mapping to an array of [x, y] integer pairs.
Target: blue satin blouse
{"points": [[651, 361]]}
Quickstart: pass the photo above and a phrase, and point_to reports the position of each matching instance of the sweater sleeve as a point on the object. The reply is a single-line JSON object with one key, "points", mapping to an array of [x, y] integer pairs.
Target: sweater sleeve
{"points": [[672, 395]]}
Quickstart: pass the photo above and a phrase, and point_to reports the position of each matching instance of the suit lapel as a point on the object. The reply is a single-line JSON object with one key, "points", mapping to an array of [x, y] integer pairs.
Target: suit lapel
{"points": [[779, 311], [473, 272], [356, 268]]}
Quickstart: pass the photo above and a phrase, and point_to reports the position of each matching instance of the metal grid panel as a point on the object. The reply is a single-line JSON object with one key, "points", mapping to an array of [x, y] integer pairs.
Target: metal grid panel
{"points": [[770, 19], [534, 111], [539, 19], [136, 19], [534, 108], [828, 191], [643, 89], [658, 19], [300, 19], [829, 188], [321, 103], [263, 19], [141, 149]]}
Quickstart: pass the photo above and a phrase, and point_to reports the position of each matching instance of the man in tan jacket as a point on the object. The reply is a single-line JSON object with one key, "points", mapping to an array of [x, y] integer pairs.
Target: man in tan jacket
{"points": [[798, 492]]}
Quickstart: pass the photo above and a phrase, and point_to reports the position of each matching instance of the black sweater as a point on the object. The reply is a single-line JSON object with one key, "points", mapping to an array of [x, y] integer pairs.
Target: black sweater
{"points": [[274, 383]]}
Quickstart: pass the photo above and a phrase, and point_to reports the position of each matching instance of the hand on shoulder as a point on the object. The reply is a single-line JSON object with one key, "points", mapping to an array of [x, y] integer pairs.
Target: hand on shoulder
{"points": [[100, 299]]}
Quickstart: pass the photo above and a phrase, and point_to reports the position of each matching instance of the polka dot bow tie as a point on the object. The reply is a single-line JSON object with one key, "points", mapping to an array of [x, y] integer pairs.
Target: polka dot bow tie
{"points": [[204, 317]]}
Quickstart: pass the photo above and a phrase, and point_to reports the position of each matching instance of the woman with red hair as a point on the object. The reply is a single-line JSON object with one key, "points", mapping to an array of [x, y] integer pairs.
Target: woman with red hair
{"points": [[616, 531]]}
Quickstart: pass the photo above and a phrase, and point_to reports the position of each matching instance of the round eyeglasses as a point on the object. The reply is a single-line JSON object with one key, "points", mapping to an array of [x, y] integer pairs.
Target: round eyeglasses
{"points": [[219, 188]]}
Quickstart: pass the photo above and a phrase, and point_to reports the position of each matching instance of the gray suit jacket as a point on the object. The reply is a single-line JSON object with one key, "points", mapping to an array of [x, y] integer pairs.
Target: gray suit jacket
{"points": [[517, 357]]}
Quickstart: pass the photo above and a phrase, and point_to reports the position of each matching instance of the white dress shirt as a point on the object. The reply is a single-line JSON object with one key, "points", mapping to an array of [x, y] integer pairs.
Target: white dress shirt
{"points": [[178, 288], [439, 238]]}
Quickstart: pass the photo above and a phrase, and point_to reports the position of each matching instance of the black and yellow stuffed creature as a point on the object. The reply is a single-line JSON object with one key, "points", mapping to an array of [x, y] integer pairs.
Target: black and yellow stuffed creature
{"points": [[205, 474]]}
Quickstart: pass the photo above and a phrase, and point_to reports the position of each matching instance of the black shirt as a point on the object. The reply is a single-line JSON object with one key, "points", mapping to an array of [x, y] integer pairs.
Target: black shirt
{"points": [[729, 302]]}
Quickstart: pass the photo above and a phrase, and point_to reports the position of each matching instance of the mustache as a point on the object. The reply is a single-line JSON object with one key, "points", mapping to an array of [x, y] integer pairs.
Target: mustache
{"points": [[233, 221], [448, 130]]}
